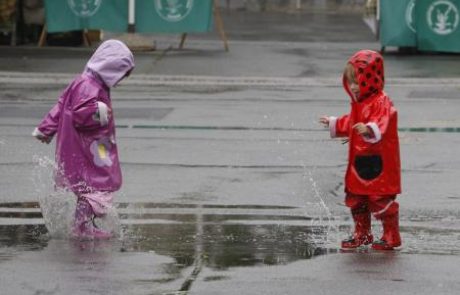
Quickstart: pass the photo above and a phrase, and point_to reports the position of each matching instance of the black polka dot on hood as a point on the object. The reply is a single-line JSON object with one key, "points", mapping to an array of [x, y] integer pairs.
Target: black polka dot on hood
{"points": [[369, 71]]}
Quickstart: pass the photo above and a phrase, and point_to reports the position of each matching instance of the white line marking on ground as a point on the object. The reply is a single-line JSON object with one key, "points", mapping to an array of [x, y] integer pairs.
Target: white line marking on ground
{"points": [[178, 80]]}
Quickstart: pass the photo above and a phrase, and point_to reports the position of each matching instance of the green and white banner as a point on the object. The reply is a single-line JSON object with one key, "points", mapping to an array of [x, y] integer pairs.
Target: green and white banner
{"points": [[397, 23], [438, 27], [70, 15], [174, 16]]}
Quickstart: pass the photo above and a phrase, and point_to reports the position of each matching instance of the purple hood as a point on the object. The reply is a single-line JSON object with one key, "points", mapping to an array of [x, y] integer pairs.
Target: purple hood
{"points": [[110, 62]]}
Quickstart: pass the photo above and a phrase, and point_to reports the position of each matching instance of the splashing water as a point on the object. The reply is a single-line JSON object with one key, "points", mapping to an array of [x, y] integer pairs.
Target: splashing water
{"points": [[325, 231], [111, 222], [325, 219], [58, 204]]}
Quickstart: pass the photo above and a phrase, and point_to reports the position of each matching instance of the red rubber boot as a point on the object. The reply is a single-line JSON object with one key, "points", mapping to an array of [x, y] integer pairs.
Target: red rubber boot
{"points": [[362, 234], [391, 237]]}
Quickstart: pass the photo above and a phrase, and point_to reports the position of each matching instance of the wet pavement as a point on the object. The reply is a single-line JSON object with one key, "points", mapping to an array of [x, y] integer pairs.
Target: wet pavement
{"points": [[230, 185]]}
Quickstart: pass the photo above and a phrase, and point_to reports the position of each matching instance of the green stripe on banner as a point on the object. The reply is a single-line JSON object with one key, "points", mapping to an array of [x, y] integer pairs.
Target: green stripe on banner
{"points": [[174, 16], [70, 15]]}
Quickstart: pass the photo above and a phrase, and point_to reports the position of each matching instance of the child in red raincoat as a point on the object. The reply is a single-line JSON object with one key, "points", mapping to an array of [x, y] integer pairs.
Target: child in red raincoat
{"points": [[373, 177]]}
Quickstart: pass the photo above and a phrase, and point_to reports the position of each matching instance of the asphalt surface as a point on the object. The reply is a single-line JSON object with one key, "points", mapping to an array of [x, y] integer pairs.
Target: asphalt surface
{"points": [[230, 184]]}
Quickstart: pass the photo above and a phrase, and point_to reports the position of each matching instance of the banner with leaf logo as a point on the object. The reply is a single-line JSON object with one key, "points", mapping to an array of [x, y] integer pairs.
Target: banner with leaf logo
{"points": [[438, 27], [70, 15], [397, 23], [174, 16]]}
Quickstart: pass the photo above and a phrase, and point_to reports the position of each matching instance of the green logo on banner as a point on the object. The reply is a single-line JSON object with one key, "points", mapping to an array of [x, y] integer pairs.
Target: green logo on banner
{"points": [[410, 11], [84, 8], [173, 10], [442, 17]]}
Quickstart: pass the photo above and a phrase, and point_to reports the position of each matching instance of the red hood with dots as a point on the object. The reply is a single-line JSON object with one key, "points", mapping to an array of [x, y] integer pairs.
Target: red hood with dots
{"points": [[369, 73]]}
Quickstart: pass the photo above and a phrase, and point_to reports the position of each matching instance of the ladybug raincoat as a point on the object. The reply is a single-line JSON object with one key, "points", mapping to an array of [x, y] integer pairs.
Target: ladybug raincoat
{"points": [[86, 150], [373, 161]]}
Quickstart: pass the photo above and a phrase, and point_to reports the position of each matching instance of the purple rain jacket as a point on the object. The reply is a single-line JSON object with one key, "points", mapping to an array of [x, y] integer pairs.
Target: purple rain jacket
{"points": [[86, 150]]}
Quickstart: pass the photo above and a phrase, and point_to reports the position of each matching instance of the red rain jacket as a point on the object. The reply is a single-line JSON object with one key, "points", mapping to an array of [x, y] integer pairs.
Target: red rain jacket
{"points": [[373, 162]]}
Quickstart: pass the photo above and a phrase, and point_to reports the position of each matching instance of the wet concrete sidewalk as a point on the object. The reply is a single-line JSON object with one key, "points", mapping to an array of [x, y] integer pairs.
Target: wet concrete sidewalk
{"points": [[230, 185], [208, 256], [350, 273]]}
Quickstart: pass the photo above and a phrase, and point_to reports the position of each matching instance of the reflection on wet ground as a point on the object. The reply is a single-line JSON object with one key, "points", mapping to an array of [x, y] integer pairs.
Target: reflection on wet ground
{"points": [[225, 246], [233, 235], [23, 237], [166, 246], [227, 235], [174, 242]]}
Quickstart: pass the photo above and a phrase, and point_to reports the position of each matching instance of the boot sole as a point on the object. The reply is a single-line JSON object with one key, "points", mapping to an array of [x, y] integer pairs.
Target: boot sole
{"points": [[388, 248], [367, 242]]}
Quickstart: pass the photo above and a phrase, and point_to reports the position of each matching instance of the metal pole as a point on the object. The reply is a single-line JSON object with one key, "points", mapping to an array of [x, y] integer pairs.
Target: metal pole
{"points": [[132, 16], [377, 9], [298, 4]]}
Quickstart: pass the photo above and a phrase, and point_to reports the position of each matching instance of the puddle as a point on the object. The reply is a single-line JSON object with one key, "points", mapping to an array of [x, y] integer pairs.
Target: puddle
{"points": [[224, 246], [23, 237], [173, 242], [165, 246], [228, 235]]}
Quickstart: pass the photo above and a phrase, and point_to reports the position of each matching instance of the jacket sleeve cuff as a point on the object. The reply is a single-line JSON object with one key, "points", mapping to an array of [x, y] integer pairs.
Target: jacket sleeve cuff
{"points": [[37, 133], [377, 134], [332, 126], [103, 113]]}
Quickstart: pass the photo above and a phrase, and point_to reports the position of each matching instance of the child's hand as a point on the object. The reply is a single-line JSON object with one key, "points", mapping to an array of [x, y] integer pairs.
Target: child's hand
{"points": [[361, 128], [324, 120], [42, 137]]}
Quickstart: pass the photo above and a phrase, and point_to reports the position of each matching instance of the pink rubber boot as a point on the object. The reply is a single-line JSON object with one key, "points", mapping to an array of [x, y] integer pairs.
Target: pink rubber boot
{"points": [[83, 227], [101, 234]]}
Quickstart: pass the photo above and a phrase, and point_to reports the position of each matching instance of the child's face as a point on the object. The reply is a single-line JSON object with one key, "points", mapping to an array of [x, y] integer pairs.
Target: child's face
{"points": [[125, 76], [351, 80]]}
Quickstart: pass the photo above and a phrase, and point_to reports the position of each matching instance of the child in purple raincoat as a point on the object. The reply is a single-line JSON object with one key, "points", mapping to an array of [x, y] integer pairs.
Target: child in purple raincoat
{"points": [[86, 150]]}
